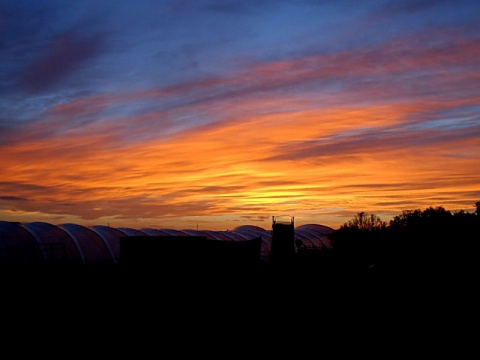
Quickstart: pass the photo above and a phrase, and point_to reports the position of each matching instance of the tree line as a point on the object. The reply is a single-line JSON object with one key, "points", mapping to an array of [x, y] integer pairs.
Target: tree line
{"points": [[430, 241]]}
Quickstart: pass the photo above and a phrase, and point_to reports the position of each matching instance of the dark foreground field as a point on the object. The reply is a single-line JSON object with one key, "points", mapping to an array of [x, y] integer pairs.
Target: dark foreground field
{"points": [[226, 311], [297, 285]]}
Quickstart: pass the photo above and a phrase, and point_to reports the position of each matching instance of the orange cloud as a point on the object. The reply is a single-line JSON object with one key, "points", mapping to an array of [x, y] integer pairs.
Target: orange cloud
{"points": [[372, 131]]}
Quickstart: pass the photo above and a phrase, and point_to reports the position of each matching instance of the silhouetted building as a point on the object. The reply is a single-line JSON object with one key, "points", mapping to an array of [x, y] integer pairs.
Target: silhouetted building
{"points": [[195, 253], [283, 239]]}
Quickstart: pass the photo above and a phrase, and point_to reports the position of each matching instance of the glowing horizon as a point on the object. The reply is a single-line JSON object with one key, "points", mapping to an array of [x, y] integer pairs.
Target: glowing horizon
{"points": [[232, 130]]}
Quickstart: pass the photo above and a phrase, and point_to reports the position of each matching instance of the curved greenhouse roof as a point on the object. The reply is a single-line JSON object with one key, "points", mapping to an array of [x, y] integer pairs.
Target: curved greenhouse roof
{"points": [[41, 241], [93, 248]]}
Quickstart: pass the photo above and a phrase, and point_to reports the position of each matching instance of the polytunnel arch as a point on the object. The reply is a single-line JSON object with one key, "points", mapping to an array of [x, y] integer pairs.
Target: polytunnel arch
{"points": [[319, 240], [131, 232], [213, 235], [92, 247], [111, 237], [316, 228], [173, 232], [305, 240], [154, 232], [191, 232], [17, 244], [100, 243], [232, 235], [52, 235], [251, 231]]}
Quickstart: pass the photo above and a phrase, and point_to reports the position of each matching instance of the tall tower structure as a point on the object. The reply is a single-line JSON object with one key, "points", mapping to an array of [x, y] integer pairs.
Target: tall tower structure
{"points": [[283, 238]]}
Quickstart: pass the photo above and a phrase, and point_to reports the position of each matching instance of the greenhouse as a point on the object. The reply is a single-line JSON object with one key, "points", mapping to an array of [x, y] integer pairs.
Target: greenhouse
{"points": [[41, 242]]}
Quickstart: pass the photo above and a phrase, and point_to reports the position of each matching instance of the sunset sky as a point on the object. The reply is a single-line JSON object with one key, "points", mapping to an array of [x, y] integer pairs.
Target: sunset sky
{"points": [[215, 114]]}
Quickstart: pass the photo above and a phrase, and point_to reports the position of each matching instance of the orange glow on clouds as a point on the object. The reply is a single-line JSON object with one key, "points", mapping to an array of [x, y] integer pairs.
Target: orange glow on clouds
{"points": [[404, 136], [244, 167]]}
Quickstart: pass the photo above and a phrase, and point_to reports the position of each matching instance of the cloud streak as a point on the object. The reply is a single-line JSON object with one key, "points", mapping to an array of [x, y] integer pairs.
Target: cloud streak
{"points": [[321, 133]]}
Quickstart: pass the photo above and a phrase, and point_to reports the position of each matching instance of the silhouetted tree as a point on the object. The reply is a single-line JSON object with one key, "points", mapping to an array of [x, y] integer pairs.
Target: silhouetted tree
{"points": [[436, 241], [432, 242], [465, 235], [357, 242], [410, 219], [421, 236], [365, 222]]}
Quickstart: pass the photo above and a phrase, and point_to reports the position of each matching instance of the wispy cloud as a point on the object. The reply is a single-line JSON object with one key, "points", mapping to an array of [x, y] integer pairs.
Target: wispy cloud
{"points": [[323, 131], [66, 54]]}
